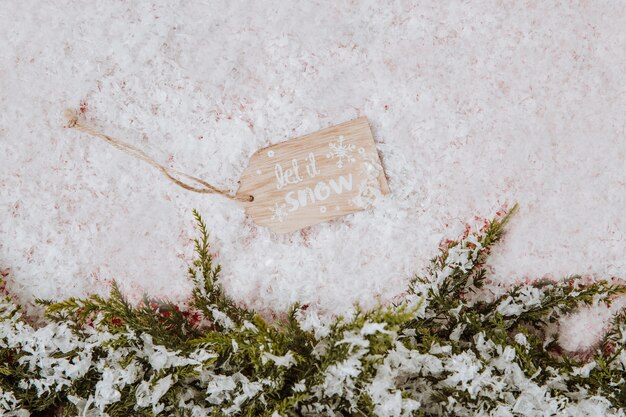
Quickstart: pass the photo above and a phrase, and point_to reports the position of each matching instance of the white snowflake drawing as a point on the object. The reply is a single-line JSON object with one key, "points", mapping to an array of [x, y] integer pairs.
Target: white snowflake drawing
{"points": [[341, 151], [369, 187], [279, 212]]}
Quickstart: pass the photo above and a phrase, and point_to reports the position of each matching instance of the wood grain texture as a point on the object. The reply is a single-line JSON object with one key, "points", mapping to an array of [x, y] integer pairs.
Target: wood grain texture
{"points": [[313, 178]]}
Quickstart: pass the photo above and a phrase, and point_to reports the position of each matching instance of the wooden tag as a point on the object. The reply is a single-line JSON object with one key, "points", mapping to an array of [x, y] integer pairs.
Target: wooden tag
{"points": [[314, 178]]}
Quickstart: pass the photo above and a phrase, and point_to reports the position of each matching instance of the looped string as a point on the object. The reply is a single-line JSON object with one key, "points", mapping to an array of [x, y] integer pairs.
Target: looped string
{"points": [[74, 123]]}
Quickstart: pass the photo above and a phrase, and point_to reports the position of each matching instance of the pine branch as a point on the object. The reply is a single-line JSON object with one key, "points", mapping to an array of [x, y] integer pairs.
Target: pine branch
{"points": [[208, 295], [436, 353]]}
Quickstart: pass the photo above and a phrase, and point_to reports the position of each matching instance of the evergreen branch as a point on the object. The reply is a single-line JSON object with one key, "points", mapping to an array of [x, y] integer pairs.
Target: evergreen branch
{"points": [[438, 352]]}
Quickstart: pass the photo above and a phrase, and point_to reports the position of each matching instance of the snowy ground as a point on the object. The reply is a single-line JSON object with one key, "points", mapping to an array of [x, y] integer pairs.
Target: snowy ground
{"points": [[472, 106]]}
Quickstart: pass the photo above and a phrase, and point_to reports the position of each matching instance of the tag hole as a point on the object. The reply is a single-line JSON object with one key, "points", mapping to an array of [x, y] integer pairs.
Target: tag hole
{"points": [[251, 198]]}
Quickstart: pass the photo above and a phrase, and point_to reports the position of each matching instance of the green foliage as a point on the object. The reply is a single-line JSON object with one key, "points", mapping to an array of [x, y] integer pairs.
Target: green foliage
{"points": [[208, 295], [450, 347]]}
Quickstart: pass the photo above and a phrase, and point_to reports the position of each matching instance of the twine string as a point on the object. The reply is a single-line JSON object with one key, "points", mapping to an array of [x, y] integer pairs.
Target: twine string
{"points": [[74, 123]]}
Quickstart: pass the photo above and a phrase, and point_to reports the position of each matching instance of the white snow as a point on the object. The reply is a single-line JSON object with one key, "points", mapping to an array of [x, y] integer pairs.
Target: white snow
{"points": [[472, 105]]}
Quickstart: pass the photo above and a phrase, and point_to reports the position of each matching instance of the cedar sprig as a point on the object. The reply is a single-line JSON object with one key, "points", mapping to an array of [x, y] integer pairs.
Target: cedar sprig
{"points": [[447, 312]]}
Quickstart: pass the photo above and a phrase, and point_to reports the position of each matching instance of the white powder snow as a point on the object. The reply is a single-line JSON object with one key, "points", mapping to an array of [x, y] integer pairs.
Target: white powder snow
{"points": [[472, 105]]}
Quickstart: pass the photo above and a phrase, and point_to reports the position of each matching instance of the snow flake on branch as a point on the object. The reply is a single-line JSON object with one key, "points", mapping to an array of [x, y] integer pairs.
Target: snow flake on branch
{"points": [[285, 361]]}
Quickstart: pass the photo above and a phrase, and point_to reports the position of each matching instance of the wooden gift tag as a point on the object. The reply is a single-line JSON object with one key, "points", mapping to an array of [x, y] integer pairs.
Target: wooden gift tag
{"points": [[314, 178]]}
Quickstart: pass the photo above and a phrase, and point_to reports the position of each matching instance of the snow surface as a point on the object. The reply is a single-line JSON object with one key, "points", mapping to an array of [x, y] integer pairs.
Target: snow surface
{"points": [[472, 106]]}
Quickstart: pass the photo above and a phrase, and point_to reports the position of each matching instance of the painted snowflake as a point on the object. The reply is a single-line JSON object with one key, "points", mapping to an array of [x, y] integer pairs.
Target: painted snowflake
{"points": [[341, 151], [279, 212]]}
